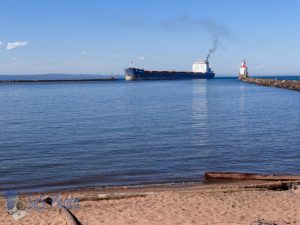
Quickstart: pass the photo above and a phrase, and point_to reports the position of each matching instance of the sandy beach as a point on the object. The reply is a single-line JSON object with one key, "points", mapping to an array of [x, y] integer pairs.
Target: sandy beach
{"points": [[189, 204]]}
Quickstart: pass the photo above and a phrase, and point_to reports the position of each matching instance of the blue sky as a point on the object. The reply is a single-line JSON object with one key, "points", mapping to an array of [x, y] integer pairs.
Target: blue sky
{"points": [[102, 36]]}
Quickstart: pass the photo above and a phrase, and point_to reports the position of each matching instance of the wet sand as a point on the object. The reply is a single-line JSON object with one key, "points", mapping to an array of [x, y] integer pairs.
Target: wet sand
{"points": [[233, 203]]}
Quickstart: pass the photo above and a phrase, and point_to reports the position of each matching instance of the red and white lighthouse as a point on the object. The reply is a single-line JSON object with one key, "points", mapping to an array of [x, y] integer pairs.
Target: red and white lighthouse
{"points": [[244, 69]]}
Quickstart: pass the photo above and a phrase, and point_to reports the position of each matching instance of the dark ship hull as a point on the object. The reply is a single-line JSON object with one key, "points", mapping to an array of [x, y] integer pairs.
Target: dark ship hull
{"points": [[132, 74]]}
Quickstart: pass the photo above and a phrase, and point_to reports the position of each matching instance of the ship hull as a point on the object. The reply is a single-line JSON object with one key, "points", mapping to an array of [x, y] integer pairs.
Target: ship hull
{"points": [[133, 74]]}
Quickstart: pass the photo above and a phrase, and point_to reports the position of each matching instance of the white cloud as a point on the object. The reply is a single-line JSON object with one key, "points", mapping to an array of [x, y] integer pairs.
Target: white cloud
{"points": [[1, 43], [119, 56], [260, 67], [84, 52], [140, 58], [18, 44]]}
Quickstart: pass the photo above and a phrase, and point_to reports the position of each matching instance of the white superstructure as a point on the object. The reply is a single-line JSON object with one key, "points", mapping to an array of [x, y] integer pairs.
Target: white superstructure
{"points": [[201, 67]]}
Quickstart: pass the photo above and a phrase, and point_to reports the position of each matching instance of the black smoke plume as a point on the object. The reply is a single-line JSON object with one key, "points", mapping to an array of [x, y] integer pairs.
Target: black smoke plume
{"points": [[185, 24], [213, 49]]}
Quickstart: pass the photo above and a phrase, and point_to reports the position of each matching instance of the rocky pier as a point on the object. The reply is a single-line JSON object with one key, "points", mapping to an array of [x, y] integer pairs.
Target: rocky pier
{"points": [[288, 84]]}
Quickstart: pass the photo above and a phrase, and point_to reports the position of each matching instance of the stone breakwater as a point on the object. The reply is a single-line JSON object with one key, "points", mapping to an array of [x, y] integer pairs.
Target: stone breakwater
{"points": [[288, 84]]}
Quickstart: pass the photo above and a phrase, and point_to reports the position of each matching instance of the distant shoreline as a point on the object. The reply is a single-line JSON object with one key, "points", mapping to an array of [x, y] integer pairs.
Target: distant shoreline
{"points": [[72, 80], [58, 81]]}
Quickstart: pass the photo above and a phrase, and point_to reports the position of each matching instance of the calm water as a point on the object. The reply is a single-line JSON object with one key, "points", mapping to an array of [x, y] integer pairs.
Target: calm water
{"points": [[55, 136]]}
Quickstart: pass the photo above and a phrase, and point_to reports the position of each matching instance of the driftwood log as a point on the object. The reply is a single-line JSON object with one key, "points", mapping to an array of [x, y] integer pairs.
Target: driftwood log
{"points": [[248, 176]]}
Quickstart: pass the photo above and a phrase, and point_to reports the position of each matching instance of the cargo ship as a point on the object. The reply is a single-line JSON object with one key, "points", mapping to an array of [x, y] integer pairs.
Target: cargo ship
{"points": [[201, 70]]}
